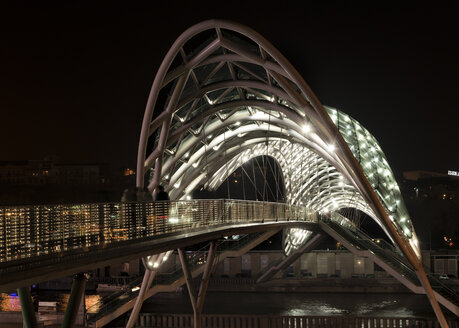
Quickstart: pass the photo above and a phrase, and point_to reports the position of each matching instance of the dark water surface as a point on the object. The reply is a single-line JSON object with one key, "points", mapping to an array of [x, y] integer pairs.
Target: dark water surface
{"points": [[298, 304], [270, 303]]}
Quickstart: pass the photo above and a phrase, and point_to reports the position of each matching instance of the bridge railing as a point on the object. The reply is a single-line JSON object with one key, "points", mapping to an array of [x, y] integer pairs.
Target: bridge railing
{"points": [[30, 231]]}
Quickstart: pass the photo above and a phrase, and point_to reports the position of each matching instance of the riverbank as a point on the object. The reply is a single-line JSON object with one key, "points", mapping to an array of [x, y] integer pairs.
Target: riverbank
{"points": [[309, 285]]}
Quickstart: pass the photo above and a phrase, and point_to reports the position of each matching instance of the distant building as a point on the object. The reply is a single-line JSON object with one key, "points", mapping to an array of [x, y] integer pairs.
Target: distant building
{"points": [[419, 174], [50, 181], [25, 172], [432, 199], [431, 185], [45, 172]]}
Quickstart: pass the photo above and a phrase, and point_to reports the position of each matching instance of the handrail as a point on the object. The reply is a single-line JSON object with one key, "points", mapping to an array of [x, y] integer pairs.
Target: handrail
{"points": [[367, 243], [28, 232], [389, 253]]}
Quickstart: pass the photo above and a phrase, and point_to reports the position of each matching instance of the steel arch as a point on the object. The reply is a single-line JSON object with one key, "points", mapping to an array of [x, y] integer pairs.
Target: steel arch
{"points": [[280, 99], [238, 86]]}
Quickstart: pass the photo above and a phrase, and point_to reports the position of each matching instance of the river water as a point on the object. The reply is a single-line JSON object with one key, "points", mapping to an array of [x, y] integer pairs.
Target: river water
{"points": [[299, 304], [289, 304]]}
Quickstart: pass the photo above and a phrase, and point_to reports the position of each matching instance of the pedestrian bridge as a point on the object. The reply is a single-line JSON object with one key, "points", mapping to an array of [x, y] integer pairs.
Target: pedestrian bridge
{"points": [[46, 242], [223, 97], [50, 241]]}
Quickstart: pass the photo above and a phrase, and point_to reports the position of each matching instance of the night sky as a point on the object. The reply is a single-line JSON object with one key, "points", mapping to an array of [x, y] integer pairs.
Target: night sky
{"points": [[75, 78]]}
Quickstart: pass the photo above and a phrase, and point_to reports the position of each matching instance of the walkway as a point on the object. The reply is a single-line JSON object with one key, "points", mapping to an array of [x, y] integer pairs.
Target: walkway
{"points": [[40, 243]]}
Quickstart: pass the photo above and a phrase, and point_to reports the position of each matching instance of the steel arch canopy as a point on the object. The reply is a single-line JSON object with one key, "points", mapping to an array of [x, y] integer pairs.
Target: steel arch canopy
{"points": [[235, 97]]}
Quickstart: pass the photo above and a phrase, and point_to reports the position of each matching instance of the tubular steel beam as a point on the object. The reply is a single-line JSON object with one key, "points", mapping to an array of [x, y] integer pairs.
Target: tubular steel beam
{"points": [[418, 269], [431, 296], [180, 281], [146, 283], [76, 296], [188, 277], [327, 140], [291, 258], [205, 279], [197, 301], [28, 312]]}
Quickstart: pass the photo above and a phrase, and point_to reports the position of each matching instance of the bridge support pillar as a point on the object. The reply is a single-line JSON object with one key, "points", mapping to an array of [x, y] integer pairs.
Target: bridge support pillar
{"points": [[76, 296], [28, 312], [431, 296], [197, 301], [146, 283], [416, 263]]}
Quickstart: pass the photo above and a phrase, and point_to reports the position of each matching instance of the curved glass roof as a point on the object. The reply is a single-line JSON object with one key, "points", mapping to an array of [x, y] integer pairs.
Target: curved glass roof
{"points": [[236, 97], [371, 158]]}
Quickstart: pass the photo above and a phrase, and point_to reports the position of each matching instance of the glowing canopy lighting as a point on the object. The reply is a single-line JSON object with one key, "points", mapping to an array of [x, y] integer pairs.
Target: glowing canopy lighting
{"points": [[257, 104]]}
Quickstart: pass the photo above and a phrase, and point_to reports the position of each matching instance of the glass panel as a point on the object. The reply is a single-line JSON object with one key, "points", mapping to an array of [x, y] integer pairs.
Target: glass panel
{"points": [[31, 231]]}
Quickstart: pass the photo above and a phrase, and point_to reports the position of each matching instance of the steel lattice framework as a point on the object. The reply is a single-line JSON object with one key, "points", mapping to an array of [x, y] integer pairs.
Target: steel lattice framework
{"points": [[235, 97], [230, 95]]}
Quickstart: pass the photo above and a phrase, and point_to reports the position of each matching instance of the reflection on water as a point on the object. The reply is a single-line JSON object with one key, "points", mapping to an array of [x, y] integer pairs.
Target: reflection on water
{"points": [[358, 305], [298, 304], [390, 306], [383, 305], [10, 302], [288, 304], [92, 300]]}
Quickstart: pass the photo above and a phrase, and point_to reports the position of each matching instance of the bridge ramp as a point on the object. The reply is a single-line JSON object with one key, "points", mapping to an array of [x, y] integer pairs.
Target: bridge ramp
{"points": [[390, 259]]}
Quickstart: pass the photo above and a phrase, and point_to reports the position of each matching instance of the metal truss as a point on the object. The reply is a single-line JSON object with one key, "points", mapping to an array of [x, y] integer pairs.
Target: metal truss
{"points": [[224, 95], [235, 97]]}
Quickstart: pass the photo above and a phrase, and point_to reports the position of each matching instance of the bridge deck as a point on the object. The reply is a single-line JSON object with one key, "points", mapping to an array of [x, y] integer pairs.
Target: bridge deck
{"points": [[46, 242]]}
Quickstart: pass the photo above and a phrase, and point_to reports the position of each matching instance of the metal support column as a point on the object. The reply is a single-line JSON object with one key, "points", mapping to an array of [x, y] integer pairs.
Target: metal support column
{"points": [[146, 283], [271, 272], [197, 301], [205, 282], [28, 312], [431, 296], [76, 296], [188, 279], [415, 262]]}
